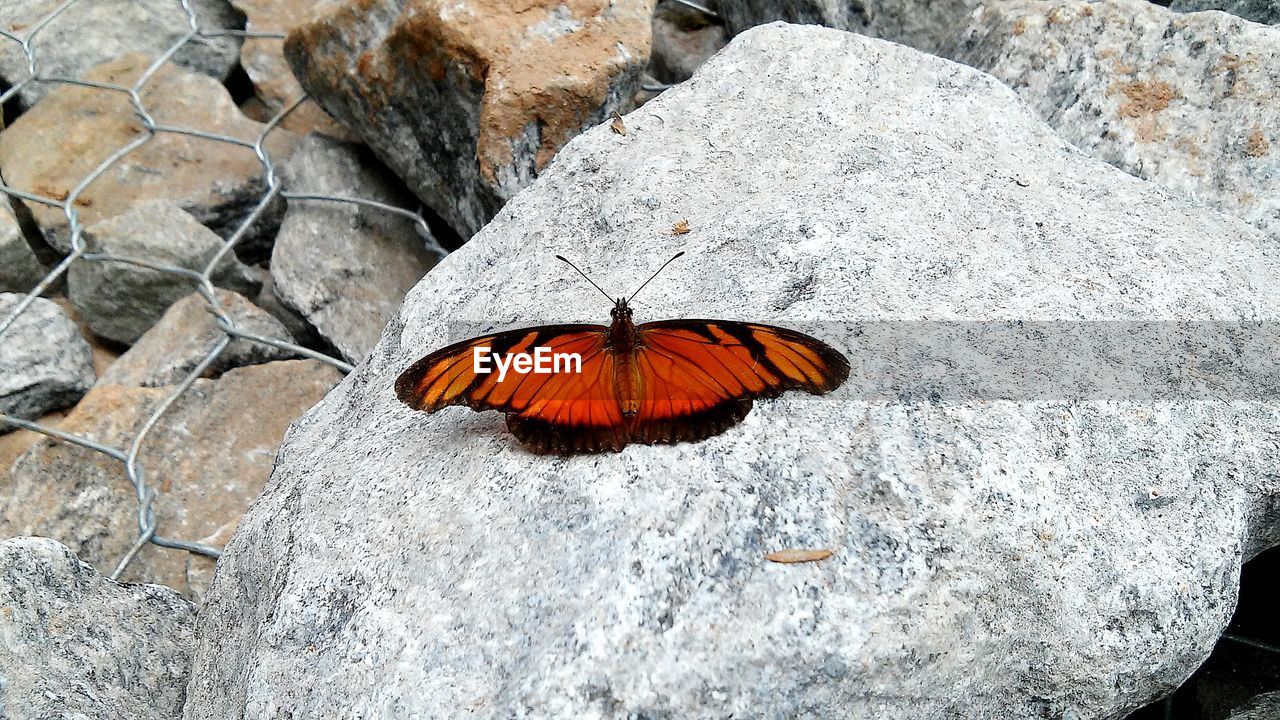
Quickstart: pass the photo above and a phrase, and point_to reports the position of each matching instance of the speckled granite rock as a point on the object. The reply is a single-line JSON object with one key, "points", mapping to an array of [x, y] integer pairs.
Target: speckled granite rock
{"points": [[45, 363], [207, 460], [49, 149], [1262, 11], [20, 270], [1187, 101], [468, 101], [91, 33], [78, 646], [183, 337], [343, 267], [1052, 555], [923, 24], [121, 301]]}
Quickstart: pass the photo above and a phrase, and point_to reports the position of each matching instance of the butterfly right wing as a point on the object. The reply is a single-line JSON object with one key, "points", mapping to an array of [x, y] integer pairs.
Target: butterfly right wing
{"points": [[573, 411]]}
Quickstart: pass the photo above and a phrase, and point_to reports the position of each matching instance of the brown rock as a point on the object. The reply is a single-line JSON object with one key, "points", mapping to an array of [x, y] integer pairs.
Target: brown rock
{"points": [[468, 101], [172, 348], [264, 63], [49, 149], [207, 460]]}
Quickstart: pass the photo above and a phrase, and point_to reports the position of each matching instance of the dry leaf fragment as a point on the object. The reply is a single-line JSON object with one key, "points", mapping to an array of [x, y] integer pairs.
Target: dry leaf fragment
{"points": [[680, 228], [617, 124], [799, 555]]}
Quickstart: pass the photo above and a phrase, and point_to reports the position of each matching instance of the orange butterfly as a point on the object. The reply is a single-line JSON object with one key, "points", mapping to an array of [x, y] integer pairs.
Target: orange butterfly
{"points": [[660, 382]]}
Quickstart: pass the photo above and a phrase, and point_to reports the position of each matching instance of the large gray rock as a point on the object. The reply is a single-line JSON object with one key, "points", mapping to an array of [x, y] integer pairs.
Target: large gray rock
{"points": [[345, 267], [20, 270], [45, 363], [91, 33], [121, 301], [1262, 11], [1059, 552], [1187, 101], [923, 24], [183, 337], [468, 101], [79, 646]]}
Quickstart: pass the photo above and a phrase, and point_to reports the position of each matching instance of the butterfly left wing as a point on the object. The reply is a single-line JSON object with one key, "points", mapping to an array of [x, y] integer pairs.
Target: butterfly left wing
{"points": [[699, 377], [567, 411]]}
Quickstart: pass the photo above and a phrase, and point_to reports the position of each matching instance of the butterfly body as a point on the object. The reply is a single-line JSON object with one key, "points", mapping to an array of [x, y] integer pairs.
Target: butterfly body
{"points": [[659, 382]]}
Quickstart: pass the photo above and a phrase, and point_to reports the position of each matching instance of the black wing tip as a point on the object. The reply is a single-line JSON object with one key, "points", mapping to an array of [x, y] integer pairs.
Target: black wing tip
{"points": [[545, 438]]}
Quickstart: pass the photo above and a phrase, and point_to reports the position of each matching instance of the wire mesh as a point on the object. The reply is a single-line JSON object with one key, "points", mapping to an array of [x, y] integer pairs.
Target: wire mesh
{"points": [[135, 471]]}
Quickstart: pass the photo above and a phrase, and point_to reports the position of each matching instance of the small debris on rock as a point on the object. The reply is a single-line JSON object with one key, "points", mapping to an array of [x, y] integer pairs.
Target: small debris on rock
{"points": [[799, 555]]}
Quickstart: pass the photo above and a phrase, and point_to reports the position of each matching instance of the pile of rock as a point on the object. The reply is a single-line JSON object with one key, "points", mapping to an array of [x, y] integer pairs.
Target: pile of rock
{"points": [[942, 164]]}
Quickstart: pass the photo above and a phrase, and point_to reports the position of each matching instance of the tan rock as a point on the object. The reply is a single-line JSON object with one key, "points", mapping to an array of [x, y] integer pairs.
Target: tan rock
{"points": [[182, 339], [468, 101], [263, 61], [49, 149], [207, 460]]}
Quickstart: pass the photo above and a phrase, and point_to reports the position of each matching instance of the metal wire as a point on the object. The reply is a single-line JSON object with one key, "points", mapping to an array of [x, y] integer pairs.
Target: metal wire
{"points": [[135, 471]]}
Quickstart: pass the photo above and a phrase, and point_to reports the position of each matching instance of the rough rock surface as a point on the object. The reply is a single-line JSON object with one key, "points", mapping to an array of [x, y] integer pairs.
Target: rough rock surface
{"points": [[45, 363], [207, 460], [923, 24], [49, 149], [683, 39], [77, 645], [1262, 11], [94, 32], [264, 63], [1262, 707], [186, 333], [1048, 555], [468, 101], [20, 270], [121, 301], [345, 267], [1188, 101]]}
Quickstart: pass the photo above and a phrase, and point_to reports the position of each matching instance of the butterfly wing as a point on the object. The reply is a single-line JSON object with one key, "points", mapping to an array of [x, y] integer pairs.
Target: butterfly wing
{"points": [[574, 409], [699, 377]]}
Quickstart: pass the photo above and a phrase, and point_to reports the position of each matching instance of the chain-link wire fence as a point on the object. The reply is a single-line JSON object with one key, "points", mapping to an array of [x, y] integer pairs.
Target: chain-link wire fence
{"points": [[201, 280]]}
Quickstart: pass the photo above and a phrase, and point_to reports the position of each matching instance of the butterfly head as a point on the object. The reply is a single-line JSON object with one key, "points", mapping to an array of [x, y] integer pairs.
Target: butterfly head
{"points": [[621, 310]]}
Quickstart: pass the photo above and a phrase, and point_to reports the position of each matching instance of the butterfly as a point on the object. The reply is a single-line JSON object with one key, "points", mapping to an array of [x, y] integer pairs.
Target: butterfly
{"points": [[659, 382]]}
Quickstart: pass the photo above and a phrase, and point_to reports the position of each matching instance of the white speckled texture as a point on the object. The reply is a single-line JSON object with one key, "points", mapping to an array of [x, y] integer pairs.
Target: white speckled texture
{"points": [[77, 646], [994, 559], [45, 363], [1191, 102]]}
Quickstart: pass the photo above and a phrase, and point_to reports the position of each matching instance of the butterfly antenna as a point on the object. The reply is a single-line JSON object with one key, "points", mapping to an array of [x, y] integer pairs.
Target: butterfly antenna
{"points": [[651, 277], [584, 276]]}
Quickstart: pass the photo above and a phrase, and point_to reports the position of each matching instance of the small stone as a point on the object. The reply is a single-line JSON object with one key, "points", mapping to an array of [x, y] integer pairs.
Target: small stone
{"points": [[79, 646], [1261, 707], [121, 301], [1259, 11], [207, 460], [20, 270], [468, 101], [45, 363], [50, 148], [342, 266], [183, 337], [94, 32], [922, 24], [683, 39], [1186, 101], [264, 63]]}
